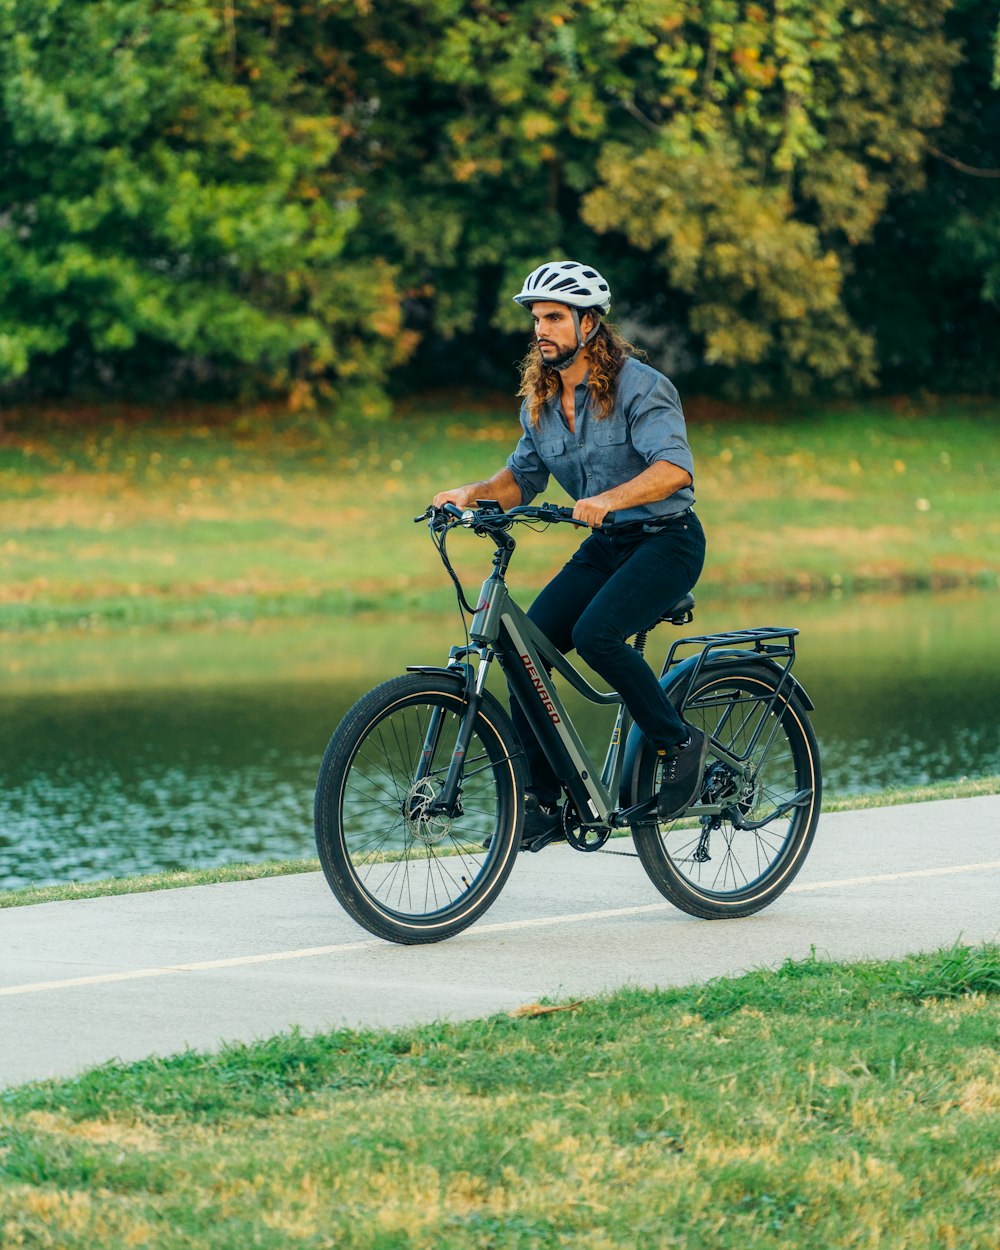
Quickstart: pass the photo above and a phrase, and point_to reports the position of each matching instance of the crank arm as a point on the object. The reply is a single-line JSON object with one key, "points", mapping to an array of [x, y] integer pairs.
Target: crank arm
{"points": [[632, 815]]}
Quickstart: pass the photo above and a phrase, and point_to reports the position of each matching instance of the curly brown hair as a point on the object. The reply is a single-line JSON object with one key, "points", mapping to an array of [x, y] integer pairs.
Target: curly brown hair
{"points": [[607, 351]]}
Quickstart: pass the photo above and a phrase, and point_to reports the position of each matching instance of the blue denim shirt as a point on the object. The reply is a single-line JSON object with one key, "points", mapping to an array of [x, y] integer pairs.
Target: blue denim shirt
{"points": [[645, 425]]}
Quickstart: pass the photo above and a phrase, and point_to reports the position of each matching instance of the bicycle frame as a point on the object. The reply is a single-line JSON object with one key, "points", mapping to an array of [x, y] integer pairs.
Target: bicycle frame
{"points": [[500, 629]]}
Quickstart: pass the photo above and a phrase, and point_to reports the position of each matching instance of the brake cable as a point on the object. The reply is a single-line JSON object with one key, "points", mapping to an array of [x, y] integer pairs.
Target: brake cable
{"points": [[439, 537]]}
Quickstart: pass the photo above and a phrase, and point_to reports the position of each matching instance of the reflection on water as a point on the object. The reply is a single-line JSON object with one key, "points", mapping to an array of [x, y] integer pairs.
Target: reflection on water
{"points": [[124, 754], [99, 785]]}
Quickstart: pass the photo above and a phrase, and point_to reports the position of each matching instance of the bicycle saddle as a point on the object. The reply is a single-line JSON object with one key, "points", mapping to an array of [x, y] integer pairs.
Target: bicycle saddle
{"points": [[682, 613]]}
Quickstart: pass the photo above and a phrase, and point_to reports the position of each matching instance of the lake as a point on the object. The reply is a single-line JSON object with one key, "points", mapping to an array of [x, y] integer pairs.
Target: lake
{"points": [[134, 753]]}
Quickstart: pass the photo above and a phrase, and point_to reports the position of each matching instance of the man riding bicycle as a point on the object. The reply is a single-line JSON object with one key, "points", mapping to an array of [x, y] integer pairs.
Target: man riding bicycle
{"points": [[611, 431]]}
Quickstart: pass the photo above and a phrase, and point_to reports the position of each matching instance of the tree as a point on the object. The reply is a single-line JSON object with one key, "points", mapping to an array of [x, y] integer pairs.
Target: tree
{"points": [[298, 193], [930, 279], [161, 205], [724, 159]]}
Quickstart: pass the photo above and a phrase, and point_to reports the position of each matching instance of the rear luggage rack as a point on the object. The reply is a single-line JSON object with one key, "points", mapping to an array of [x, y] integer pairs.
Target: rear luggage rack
{"points": [[763, 641]]}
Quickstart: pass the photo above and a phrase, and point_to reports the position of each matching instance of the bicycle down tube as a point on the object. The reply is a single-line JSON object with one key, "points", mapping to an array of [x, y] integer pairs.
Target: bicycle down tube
{"points": [[525, 653]]}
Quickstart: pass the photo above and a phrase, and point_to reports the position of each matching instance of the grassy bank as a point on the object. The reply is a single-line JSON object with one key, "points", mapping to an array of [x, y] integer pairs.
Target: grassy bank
{"points": [[115, 518], [29, 895], [818, 1106]]}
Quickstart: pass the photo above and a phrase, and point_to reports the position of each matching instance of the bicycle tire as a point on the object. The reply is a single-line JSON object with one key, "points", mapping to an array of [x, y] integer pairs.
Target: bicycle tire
{"points": [[401, 874], [714, 869]]}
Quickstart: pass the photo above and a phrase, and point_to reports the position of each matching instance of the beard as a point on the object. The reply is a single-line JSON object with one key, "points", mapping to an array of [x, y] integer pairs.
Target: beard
{"points": [[560, 358]]}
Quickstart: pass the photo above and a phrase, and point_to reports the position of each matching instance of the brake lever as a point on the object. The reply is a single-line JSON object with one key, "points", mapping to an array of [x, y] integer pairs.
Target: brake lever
{"points": [[438, 518]]}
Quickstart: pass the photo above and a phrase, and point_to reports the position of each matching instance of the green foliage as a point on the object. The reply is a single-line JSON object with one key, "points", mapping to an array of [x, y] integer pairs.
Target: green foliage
{"points": [[297, 195], [930, 280], [725, 158], [161, 202]]}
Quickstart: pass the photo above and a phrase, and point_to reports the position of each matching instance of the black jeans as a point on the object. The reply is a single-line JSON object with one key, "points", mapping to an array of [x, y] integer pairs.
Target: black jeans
{"points": [[613, 587]]}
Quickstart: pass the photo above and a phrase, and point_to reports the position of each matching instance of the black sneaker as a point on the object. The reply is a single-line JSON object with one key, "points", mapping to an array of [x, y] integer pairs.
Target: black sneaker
{"points": [[683, 768], [542, 824]]}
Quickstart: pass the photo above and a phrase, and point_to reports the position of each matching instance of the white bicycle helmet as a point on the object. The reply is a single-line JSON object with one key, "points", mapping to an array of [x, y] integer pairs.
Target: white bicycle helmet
{"points": [[566, 282]]}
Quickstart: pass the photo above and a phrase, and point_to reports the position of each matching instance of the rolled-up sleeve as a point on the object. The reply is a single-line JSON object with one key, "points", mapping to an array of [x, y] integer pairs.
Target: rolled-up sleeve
{"points": [[526, 465], [657, 426]]}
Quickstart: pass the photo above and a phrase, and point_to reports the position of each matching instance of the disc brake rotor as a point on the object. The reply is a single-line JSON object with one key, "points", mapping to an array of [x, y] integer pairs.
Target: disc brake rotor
{"points": [[426, 828]]}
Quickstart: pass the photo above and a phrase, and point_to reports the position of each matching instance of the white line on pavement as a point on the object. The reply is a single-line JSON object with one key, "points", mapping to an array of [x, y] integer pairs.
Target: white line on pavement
{"points": [[509, 926]]}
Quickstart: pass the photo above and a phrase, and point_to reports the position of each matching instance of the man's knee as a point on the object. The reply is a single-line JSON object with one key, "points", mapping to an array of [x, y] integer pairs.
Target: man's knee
{"points": [[596, 640]]}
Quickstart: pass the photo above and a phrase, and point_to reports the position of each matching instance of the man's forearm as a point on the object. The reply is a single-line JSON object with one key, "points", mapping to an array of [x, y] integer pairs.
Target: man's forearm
{"points": [[501, 486], [661, 480]]}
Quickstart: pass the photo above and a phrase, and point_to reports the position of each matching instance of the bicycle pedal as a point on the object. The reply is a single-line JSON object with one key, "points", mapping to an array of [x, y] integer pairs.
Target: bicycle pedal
{"points": [[542, 841]]}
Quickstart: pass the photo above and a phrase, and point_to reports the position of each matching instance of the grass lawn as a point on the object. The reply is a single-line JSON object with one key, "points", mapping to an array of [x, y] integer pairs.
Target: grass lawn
{"points": [[121, 517], [817, 1106]]}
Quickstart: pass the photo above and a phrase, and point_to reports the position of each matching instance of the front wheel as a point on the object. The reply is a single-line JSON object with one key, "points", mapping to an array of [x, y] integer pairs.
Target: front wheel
{"points": [[738, 861], [403, 870]]}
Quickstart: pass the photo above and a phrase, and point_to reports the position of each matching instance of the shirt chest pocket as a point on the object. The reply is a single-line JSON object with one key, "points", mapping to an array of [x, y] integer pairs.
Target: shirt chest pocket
{"points": [[551, 446], [610, 433]]}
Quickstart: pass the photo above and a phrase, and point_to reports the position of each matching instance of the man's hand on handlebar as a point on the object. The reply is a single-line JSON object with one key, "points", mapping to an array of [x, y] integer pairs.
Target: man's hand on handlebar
{"points": [[461, 496], [593, 511]]}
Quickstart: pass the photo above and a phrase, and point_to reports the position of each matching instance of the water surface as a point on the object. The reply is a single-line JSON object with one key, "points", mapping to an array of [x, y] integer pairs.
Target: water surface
{"points": [[126, 753]]}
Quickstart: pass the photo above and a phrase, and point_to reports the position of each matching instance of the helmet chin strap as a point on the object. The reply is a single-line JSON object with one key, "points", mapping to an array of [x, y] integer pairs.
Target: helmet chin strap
{"points": [[581, 342]]}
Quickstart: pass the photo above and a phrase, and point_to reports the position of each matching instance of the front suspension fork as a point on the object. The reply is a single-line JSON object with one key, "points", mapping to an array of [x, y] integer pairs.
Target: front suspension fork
{"points": [[446, 803]]}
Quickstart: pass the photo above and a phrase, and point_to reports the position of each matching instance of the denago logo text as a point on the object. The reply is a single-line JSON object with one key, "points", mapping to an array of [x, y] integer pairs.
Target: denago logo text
{"points": [[540, 687]]}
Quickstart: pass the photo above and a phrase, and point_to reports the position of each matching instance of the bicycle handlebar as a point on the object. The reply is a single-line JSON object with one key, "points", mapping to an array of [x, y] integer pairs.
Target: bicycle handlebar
{"points": [[496, 518]]}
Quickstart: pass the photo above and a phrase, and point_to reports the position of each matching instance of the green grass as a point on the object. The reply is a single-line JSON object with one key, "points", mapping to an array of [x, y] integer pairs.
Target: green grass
{"points": [[817, 1106], [29, 895], [963, 788], [194, 516]]}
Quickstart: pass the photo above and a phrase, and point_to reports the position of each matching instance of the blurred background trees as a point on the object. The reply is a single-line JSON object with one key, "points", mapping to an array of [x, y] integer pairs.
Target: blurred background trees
{"points": [[328, 198]]}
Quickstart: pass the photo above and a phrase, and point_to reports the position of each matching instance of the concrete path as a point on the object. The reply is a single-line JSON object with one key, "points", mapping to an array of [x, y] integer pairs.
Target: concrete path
{"points": [[151, 974]]}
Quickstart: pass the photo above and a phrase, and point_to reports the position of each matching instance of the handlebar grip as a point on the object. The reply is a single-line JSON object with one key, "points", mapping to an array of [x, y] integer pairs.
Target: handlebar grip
{"points": [[557, 512]]}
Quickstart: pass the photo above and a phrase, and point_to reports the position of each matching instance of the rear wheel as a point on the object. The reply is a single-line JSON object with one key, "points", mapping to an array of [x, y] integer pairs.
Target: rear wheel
{"points": [[402, 870], [739, 861]]}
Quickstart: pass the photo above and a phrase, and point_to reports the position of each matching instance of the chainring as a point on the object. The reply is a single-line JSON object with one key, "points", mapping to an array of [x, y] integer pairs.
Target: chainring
{"points": [[579, 838]]}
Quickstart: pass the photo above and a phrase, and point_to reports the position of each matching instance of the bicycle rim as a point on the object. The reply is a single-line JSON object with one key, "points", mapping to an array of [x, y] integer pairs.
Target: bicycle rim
{"points": [[717, 866], [402, 870]]}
